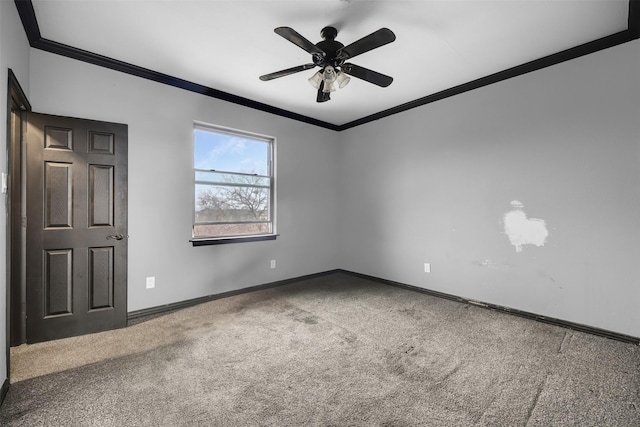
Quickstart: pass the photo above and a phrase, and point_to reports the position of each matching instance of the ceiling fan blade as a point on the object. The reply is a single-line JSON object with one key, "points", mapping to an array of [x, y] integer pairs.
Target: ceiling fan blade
{"points": [[294, 37], [286, 72], [376, 39], [367, 75]]}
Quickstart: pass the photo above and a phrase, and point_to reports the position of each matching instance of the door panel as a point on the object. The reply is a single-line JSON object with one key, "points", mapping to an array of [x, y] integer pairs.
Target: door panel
{"points": [[76, 226], [100, 278], [58, 272], [58, 197], [100, 196]]}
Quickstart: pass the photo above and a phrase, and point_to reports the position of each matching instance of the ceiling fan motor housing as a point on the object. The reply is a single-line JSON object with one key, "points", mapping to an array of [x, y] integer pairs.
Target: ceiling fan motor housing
{"points": [[330, 46]]}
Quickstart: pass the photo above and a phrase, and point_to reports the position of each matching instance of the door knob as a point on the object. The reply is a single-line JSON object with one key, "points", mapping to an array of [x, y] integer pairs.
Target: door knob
{"points": [[116, 236]]}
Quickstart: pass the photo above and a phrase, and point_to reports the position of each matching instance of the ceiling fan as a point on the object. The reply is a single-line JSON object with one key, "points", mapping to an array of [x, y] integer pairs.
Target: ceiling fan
{"points": [[331, 56]]}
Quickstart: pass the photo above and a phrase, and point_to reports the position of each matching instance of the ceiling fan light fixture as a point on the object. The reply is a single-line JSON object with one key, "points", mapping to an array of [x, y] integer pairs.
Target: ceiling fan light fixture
{"points": [[328, 87], [342, 79], [315, 80], [329, 75]]}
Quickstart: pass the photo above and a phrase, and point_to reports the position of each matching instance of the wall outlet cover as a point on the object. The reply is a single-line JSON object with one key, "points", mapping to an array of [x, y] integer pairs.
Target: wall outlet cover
{"points": [[151, 282]]}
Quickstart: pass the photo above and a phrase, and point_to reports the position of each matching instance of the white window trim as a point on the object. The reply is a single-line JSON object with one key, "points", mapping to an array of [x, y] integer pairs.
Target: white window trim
{"points": [[203, 241]]}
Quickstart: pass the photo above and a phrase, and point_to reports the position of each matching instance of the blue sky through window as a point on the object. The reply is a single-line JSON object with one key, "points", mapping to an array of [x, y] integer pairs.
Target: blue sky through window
{"points": [[230, 153]]}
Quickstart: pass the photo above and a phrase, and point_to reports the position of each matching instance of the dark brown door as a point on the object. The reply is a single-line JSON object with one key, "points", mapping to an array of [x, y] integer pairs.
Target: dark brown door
{"points": [[76, 238]]}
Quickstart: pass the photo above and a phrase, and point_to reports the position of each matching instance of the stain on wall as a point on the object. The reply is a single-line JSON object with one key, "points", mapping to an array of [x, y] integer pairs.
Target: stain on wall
{"points": [[522, 230], [487, 263]]}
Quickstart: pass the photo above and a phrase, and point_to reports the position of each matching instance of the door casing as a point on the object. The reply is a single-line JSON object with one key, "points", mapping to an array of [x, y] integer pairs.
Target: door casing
{"points": [[17, 105]]}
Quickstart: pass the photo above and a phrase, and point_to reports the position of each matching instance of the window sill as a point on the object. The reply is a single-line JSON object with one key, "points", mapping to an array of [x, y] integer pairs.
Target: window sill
{"points": [[226, 240]]}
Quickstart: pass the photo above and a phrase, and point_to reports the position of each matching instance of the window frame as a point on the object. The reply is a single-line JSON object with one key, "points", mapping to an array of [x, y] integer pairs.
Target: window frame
{"points": [[271, 170]]}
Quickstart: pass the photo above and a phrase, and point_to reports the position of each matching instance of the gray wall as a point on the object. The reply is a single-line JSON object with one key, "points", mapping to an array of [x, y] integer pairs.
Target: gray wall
{"points": [[433, 185], [14, 54], [160, 120]]}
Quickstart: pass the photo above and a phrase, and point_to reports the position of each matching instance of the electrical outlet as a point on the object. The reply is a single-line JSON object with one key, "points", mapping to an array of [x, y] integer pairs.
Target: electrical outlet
{"points": [[427, 267], [151, 282], [273, 263]]}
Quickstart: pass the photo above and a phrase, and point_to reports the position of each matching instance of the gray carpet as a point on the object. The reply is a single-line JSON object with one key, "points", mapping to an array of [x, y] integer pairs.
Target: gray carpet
{"points": [[330, 351]]}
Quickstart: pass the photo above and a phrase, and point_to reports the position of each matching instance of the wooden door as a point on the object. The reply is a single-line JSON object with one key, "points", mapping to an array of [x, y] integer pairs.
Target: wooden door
{"points": [[76, 236]]}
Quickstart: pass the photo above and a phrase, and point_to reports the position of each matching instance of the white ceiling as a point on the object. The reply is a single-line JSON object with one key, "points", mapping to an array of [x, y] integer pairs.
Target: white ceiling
{"points": [[227, 45]]}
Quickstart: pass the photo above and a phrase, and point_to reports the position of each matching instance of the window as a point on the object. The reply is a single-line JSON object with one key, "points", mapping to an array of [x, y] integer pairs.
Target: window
{"points": [[233, 185]]}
